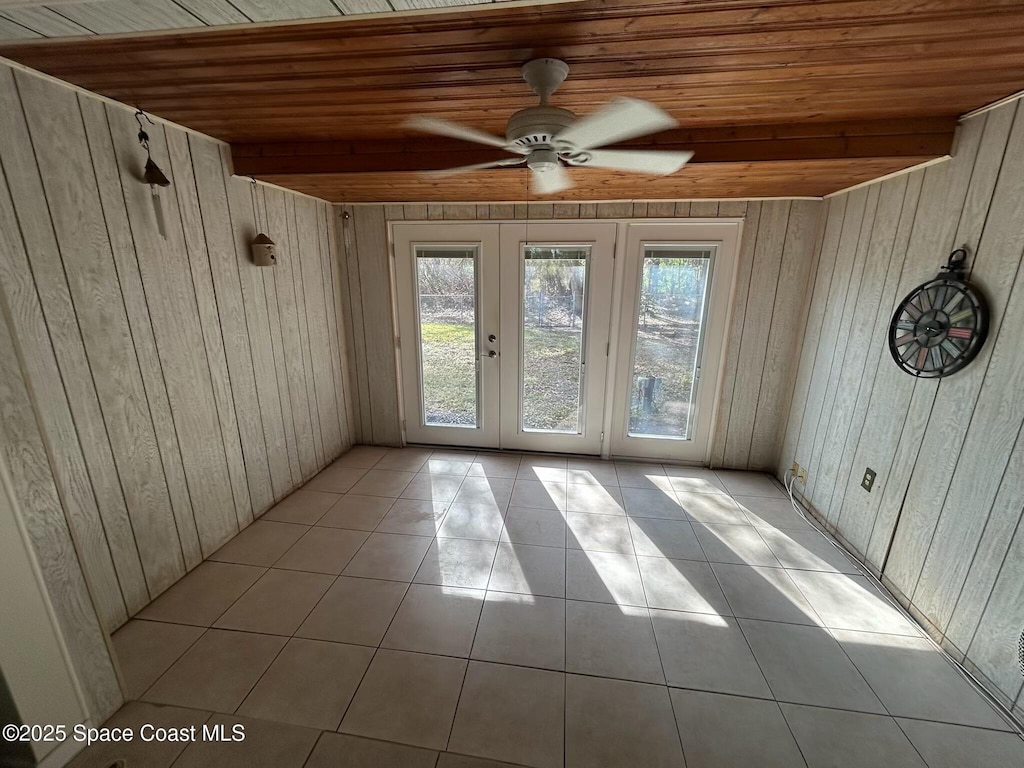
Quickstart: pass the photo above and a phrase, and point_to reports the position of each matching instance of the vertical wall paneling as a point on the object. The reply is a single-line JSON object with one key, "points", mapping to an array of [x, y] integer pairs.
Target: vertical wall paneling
{"points": [[328, 249], [939, 439], [899, 408], [304, 332], [896, 206], [254, 300], [614, 210], [845, 287], [778, 371], [362, 426], [757, 319], [68, 221], [307, 218], [934, 237], [843, 368], [995, 418], [271, 290], [943, 524], [211, 186], [415, 212], [775, 266], [297, 405], [734, 344], [877, 436], [826, 249], [340, 352], [733, 208], [156, 370], [455, 211], [745, 262], [194, 233], [818, 280], [323, 263], [663, 208], [868, 519], [816, 353], [126, 263], [375, 286], [704, 209], [83, 467], [171, 297], [33, 486], [991, 606]]}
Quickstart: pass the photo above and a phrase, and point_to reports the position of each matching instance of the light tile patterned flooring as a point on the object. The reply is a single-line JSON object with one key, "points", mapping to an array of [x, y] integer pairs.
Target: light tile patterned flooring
{"points": [[415, 607]]}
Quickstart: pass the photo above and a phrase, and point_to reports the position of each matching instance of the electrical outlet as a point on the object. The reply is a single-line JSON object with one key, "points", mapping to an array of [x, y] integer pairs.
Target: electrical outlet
{"points": [[868, 481], [795, 469], [801, 476]]}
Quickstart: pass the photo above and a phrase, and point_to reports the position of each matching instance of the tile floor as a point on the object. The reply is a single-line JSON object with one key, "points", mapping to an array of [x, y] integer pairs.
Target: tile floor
{"points": [[415, 607]]}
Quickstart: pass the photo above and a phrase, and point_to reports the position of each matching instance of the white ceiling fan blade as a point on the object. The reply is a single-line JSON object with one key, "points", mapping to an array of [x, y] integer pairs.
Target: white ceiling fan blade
{"points": [[550, 181], [619, 120], [650, 161], [478, 167], [454, 130]]}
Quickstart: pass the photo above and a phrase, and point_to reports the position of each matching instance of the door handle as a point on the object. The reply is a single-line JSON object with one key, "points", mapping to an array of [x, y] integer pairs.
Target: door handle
{"points": [[492, 353]]}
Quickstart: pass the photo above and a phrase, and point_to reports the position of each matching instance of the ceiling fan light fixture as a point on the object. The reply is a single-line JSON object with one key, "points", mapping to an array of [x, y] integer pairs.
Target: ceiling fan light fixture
{"points": [[547, 138], [542, 160]]}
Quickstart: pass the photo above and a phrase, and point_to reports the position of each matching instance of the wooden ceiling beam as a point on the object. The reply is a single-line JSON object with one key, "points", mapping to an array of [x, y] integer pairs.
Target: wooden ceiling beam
{"points": [[711, 181], [779, 97], [915, 140]]}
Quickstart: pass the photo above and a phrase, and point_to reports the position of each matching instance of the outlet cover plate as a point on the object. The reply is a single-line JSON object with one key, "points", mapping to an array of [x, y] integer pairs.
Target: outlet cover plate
{"points": [[868, 481]]}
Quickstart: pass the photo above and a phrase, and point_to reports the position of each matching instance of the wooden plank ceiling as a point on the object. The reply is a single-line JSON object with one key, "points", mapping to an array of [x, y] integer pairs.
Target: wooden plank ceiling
{"points": [[778, 98]]}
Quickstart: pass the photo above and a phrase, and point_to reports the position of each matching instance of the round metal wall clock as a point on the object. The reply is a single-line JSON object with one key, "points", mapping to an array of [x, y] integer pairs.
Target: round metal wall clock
{"points": [[941, 325]]}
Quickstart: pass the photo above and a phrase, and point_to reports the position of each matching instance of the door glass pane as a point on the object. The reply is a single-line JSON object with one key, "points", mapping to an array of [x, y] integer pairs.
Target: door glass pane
{"points": [[554, 289], [673, 294], [446, 293]]}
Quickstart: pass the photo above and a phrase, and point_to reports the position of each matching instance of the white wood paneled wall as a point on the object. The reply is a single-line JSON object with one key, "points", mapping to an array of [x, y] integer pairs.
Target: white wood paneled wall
{"points": [[774, 274], [943, 523], [179, 391]]}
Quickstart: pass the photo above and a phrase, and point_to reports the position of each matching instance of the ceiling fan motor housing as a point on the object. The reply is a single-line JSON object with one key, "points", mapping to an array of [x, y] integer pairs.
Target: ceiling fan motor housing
{"points": [[537, 126]]}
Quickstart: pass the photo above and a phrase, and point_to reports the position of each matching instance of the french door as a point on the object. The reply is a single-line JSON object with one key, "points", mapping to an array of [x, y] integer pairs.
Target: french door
{"points": [[550, 336], [676, 285], [504, 333]]}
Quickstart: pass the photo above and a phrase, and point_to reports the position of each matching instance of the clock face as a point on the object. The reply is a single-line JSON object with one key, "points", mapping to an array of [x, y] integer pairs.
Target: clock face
{"points": [[939, 328]]}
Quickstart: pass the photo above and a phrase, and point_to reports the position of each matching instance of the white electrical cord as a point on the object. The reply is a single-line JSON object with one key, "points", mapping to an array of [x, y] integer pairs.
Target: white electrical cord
{"points": [[1008, 716]]}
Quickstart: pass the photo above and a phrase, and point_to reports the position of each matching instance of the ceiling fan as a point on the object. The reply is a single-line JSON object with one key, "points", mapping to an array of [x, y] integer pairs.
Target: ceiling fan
{"points": [[545, 137]]}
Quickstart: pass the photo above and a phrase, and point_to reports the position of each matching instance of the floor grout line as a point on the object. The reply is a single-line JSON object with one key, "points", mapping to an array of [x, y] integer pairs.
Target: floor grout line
{"points": [[435, 540]]}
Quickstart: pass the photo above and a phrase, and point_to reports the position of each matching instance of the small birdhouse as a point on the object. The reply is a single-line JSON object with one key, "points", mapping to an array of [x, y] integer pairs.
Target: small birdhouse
{"points": [[264, 251]]}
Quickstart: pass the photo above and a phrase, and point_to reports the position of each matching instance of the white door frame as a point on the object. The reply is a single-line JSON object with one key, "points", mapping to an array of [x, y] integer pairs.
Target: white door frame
{"points": [[601, 237], [484, 238], [613, 316], [723, 236]]}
